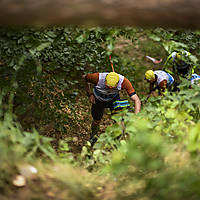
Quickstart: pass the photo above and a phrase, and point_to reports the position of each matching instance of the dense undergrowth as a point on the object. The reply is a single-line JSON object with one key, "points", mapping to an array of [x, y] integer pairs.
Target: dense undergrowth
{"points": [[157, 155], [156, 158]]}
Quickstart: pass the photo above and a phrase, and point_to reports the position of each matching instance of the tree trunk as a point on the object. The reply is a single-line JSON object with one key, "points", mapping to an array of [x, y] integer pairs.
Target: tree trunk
{"points": [[143, 13]]}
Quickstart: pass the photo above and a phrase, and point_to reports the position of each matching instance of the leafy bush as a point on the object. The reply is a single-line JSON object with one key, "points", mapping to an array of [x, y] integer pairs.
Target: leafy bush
{"points": [[17, 146]]}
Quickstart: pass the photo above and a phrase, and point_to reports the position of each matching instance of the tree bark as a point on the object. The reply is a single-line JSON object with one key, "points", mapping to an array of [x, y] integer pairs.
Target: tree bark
{"points": [[143, 13]]}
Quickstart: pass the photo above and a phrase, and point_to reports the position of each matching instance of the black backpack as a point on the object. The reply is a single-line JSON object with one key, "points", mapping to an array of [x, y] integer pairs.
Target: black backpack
{"points": [[182, 67]]}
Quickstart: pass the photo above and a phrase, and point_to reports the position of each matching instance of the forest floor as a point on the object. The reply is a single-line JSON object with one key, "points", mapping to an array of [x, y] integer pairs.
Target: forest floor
{"points": [[79, 121], [61, 181], [133, 52]]}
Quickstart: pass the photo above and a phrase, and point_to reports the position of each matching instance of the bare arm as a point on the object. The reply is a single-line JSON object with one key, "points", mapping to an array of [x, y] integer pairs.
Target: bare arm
{"points": [[137, 102], [88, 90], [155, 61], [151, 89], [87, 86], [162, 87], [131, 91]]}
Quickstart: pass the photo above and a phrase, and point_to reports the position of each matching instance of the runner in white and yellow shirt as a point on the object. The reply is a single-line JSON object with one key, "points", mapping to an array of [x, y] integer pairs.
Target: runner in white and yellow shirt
{"points": [[158, 80]]}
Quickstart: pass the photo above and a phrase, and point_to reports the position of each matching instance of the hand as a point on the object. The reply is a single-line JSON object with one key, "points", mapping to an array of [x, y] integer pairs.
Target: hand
{"points": [[83, 76], [157, 61], [92, 98]]}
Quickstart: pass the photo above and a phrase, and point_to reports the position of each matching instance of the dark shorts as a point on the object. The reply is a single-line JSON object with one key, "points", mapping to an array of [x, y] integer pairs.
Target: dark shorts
{"points": [[98, 108]]}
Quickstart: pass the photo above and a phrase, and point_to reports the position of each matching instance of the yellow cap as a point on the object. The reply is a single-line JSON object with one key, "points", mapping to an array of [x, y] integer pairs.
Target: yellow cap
{"points": [[178, 56], [149, 75], [112, 79]]}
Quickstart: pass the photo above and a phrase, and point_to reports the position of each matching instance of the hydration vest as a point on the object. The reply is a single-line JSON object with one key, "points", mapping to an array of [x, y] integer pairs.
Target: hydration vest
{"points": [[182, 67], [162, 75]]}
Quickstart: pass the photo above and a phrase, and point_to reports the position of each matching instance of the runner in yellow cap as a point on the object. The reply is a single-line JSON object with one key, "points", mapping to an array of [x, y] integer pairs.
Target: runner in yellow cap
{"points": [[180, 64], [107, 87], [149, 75], [112, 79], [158, 80]]}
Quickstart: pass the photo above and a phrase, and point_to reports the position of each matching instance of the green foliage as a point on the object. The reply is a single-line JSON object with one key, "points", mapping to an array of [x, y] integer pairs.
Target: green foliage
{"points": [[17, 146], [141, 151], [41, 74], [24, 144], [177, 40], [193, 139], [40, 65]]}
